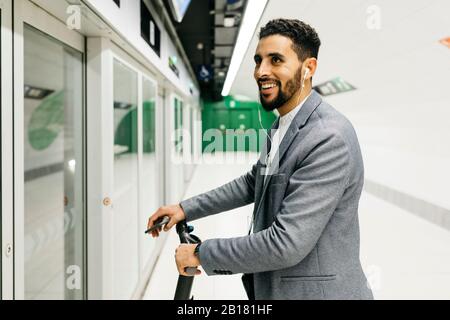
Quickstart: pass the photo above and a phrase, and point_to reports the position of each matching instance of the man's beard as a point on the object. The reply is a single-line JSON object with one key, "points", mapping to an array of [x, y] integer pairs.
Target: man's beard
{"points": [[292, 86]]}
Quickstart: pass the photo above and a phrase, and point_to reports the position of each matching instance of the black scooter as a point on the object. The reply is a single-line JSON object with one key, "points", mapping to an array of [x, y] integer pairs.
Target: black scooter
{"points": [[184, 285]]}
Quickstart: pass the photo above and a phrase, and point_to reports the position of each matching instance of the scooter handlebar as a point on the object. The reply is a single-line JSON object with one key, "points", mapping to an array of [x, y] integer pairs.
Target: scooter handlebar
{"points": [[184, 233]]}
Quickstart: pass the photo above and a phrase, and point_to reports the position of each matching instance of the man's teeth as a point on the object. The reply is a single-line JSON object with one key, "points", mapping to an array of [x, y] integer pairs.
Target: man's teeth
{"points": [[268, 86]]}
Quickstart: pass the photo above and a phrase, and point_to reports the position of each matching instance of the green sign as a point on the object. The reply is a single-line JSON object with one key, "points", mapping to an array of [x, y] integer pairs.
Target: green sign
{"points": [[335, 86]]}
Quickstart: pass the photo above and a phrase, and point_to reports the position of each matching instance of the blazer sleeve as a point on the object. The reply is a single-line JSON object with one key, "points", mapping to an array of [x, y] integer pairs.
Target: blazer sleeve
{"points": [[314, 191], [235, 194]]}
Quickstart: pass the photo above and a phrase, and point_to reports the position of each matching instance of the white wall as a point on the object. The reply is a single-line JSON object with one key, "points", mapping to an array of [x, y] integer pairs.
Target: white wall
{"points": [[401, 108], [126, 21]]}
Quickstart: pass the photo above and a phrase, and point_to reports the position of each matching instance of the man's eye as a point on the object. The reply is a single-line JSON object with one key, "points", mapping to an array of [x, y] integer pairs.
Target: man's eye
{"points": [[276, 59]]}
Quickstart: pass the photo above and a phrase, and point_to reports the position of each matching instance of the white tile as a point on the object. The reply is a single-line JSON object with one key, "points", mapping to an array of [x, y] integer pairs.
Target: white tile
{"points": [[408, 256]]}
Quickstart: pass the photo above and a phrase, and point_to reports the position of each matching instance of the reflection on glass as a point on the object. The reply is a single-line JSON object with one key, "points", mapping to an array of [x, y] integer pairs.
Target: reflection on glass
{"points": [[178, 121], [54, 256], [149, 175], [125, 202]]}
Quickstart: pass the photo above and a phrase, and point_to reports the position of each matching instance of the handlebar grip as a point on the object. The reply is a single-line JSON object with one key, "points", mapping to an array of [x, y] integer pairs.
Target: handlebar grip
{"points": [[190, 271]]}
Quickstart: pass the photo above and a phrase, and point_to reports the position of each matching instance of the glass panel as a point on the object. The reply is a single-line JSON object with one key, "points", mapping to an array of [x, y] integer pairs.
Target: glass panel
{"points": [[149, 175], [125, 200], [1, 205], [191, 119], [176, 124], [54, 226], [180, 124], [178, 121]]}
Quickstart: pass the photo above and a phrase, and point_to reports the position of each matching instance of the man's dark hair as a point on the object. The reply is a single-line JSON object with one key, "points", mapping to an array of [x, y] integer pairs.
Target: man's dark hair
{"points": [[306, 42]]}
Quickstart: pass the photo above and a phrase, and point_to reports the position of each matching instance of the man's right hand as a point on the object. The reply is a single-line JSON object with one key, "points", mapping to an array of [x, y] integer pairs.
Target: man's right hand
{"points": [[175, 213]]}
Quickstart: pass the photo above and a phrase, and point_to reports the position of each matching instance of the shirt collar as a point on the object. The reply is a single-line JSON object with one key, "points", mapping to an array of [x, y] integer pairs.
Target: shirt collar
{"points": [[288, 117]]}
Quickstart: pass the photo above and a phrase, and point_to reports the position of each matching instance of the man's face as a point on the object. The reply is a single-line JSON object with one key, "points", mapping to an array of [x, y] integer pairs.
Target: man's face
{"points": [[277, 71]]}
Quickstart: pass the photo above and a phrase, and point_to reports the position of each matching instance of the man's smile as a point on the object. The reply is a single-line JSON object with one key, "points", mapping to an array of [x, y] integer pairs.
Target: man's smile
{"points": [[267, 88]]}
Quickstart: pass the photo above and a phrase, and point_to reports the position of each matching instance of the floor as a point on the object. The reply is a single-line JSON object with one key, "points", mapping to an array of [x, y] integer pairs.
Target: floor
{"points": [[404, 256]]}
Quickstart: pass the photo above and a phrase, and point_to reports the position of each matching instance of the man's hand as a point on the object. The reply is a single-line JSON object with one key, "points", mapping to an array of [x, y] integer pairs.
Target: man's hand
{"points": [[185, 257], [175, 213]]}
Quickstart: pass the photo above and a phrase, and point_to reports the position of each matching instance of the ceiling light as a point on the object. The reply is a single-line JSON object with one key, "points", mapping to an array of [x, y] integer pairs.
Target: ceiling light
{"points": [[228, 22], [36, 93], [253, 13], [122, 105]]}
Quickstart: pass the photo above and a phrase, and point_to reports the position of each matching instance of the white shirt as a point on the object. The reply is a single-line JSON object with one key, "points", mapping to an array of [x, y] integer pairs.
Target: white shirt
{"points": [[285, 123]]}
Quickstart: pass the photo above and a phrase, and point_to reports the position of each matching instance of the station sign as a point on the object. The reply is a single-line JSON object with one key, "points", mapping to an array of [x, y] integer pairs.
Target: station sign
{"points": [[335, 86]]}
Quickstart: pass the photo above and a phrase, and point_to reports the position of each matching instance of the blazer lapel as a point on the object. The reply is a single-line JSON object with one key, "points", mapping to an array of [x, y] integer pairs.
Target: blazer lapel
{"points": [[298, 122], [262, 161]]}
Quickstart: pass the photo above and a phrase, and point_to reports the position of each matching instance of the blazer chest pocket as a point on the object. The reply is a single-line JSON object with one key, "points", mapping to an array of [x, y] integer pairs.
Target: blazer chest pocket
{"points": [[278, 179]]}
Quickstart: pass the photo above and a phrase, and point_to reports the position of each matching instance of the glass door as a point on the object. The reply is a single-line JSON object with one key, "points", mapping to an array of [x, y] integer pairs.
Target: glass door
{"points": [[50, 193], [125, 262], [176, 172], [6, 158], [150, 191]]}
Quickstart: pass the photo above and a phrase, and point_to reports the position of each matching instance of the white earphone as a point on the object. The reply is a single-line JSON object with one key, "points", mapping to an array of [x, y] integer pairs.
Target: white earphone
{"points": [[304, 78]]}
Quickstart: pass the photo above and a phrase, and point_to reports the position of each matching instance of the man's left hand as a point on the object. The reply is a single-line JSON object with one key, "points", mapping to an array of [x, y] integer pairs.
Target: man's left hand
{"points": [[185, 257]]}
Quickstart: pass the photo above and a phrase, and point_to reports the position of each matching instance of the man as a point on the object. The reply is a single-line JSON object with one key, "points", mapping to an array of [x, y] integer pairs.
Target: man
{"points": [[304, 242]]}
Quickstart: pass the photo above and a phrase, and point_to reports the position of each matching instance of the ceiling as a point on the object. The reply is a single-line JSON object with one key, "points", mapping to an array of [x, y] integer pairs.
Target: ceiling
{"points": [[401, 59], [207, 42]]}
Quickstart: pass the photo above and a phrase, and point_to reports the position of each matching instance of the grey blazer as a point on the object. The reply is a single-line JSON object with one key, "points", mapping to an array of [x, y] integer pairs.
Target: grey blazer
{"points": [[305, 241]]}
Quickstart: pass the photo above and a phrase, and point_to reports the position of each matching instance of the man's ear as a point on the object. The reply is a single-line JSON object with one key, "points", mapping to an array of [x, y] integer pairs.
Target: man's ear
{"points": [[311, 64]]}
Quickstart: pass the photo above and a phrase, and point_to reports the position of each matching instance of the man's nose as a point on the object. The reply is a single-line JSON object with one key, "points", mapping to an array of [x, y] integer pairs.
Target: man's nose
{"points": [[263, 71]]}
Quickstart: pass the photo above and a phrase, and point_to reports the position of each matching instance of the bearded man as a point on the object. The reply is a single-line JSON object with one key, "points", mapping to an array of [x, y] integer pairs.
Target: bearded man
{"points": [[304, 240]]}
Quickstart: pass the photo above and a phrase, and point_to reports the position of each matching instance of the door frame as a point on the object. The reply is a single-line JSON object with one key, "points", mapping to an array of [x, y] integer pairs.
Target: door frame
{"points": [[117, 53], [26, 12], [100, 79], [7, 160]]}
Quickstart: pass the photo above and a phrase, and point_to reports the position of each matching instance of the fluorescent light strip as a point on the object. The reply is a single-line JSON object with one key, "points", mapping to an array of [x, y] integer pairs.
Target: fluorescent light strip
{"points": [[253, 13]]}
